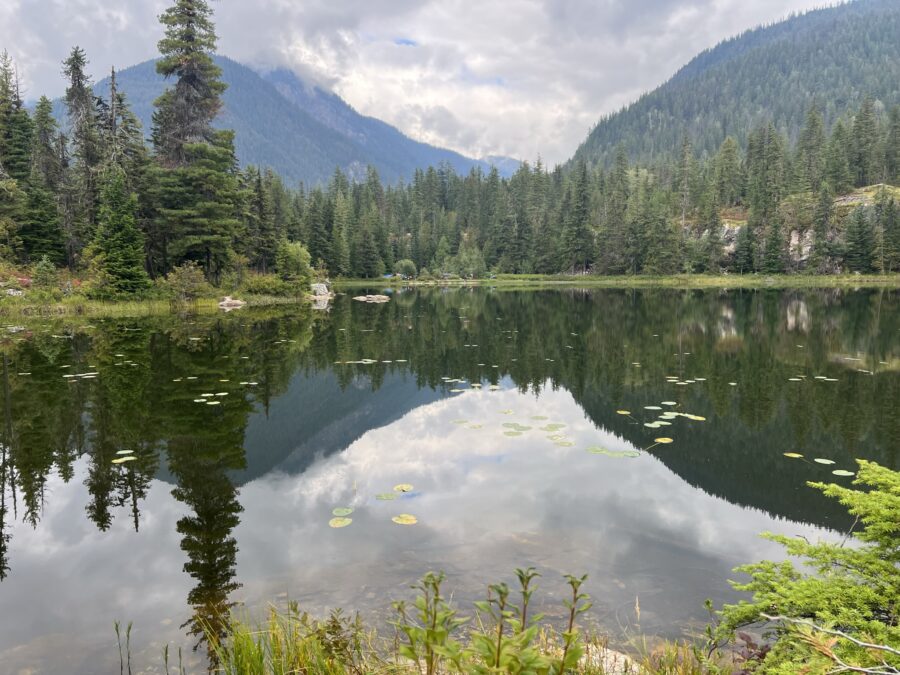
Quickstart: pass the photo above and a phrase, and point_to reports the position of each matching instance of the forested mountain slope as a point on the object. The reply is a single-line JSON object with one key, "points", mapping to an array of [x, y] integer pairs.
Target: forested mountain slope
{"points": [[832, 57], [298, 130]]}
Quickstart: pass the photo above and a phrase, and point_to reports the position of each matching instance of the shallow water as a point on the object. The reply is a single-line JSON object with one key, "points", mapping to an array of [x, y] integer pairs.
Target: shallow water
{"points": [[230, 503]]}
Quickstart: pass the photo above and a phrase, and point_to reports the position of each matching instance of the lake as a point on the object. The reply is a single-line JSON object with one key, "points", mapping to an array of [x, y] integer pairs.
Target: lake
{"points": [[163, 470]]}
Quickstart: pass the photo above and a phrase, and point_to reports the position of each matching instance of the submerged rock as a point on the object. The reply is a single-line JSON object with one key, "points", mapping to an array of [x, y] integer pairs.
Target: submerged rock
{"points": [[372, 298]]}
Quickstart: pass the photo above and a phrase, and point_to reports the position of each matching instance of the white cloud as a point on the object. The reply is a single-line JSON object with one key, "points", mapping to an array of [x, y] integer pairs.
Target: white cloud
{"points": [[514, 77]]}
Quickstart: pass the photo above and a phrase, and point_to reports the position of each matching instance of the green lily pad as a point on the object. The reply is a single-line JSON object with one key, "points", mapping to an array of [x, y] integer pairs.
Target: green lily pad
{"points": [[386, 496], [623, 412], [512, 433], [793, 455], [339, 522], [820, 460], [664, 440], [342, 511], [126, 458], [843, 472], [565, 444], [597, 450]]}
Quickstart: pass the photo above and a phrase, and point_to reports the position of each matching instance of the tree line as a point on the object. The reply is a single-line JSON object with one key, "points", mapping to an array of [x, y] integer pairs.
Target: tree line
{"points": [[96, 198]]}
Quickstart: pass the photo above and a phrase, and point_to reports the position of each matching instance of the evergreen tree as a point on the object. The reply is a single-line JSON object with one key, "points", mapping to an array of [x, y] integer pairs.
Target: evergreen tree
{"points": [[773, 254], [891, 235], [892, 147], [184, 114], [81, 183], [822, 221], [15, 124], [860, 242], [712, 250], [810, 152], [577, 239], [729, 180], [837, 162], [118, 247], [340, 244], [744, 248], [865, 144], [12, 205]]}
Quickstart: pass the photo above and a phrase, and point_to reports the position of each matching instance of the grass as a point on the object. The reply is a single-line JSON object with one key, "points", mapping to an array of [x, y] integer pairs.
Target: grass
{"points": [[81, 306], [679, 281], [503, 636]]}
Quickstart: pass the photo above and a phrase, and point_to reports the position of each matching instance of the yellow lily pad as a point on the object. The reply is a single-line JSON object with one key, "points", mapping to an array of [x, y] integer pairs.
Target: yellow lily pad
{"points": [[403, 487], [339, 522], [405, 519], [664, 440]]}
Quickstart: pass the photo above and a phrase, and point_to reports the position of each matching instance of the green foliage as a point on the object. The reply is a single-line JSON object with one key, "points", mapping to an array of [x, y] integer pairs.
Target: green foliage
{"points": [[186, 283], [292, 261], [118, 248], [850, 589], [406, 268], [268, 284], [44, 275]]}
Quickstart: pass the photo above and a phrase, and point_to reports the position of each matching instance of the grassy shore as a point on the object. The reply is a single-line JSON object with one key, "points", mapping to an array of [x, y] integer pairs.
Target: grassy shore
{"points": [[680, 281], [81, 306]]}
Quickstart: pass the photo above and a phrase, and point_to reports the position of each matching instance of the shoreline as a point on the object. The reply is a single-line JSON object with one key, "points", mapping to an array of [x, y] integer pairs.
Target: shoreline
{"points": [[678, 281]]}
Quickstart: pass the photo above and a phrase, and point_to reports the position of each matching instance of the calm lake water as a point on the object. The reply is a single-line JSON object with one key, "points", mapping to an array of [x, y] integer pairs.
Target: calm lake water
{"points": [[248, 429]]}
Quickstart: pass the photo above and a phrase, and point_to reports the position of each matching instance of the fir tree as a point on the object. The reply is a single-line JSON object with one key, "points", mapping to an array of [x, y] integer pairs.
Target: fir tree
{"points": [[184, 114], [118, 248], [822, 221], [865, 144], [860, 242]]}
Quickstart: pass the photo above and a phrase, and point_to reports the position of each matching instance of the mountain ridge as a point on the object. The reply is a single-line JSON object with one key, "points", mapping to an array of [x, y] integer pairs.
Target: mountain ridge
{"points": [[832, 57], [299, 130]]}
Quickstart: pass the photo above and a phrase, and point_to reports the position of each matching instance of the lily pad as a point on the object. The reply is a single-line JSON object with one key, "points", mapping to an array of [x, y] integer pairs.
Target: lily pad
{"points": [[339, 522], [565, 444], [405, 519], [793, 455], [512, 433], [670, 402], [820, 460], [386, 496], [403, 487], [126, 458], [342, 511], [664, 440], [843, 472], [623, 412], [596, 450], [652, 407]]}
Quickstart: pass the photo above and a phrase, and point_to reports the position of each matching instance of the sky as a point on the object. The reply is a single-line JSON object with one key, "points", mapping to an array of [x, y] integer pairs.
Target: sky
{"points": [[520, 78]]}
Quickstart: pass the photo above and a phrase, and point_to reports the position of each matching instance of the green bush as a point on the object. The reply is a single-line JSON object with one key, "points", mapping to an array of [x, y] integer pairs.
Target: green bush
{"points": [[405, 267], [268, 284], [44, 275], [292, 261], [819, 617], [186, 283]]}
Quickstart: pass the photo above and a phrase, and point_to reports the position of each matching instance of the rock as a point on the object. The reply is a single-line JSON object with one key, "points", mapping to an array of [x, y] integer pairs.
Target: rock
{"points": [[372, 298], [319, 290], [15, 292], [228, 303]]}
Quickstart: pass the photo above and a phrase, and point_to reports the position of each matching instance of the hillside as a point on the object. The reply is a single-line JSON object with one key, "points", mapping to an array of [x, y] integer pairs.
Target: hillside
{"points": [[301, 132], [833, 57]]}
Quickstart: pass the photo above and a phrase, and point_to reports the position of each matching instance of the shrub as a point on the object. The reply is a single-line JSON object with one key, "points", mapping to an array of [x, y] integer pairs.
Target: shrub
{"points": [[819, 616], [405, 267], [292, 261], [186, 282], [44, 275], [267, 284]]}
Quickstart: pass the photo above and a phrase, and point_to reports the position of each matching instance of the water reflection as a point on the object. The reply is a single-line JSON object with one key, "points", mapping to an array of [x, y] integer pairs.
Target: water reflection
{"points": [[251, 427]]}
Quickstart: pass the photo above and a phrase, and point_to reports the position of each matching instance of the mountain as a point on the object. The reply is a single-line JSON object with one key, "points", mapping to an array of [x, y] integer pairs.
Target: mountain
{"points": [[299, 130], [832, 57]]}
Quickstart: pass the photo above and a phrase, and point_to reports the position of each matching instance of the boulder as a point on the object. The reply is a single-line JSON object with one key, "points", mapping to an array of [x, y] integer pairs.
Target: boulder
{"points": [[228, 303]]}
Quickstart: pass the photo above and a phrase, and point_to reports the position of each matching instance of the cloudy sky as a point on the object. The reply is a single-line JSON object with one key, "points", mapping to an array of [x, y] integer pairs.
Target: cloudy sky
{"points": [[510, 77]]}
